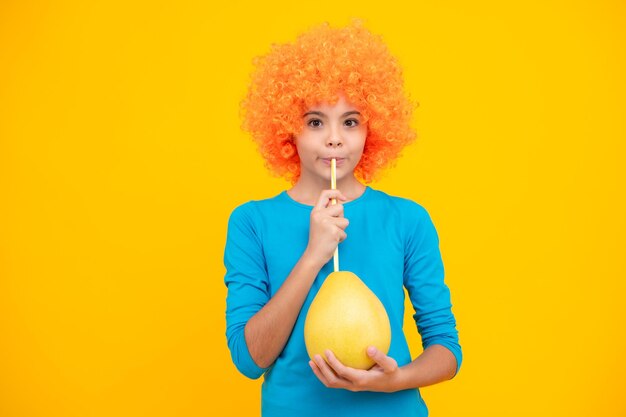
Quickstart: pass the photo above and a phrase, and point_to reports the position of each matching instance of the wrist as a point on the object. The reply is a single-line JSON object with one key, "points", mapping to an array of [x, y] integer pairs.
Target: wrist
{"points": [[310, 262], [400, 382]]}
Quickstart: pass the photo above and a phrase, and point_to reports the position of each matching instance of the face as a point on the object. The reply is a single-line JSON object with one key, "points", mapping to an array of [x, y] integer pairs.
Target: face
{"points": [[331, 131]]}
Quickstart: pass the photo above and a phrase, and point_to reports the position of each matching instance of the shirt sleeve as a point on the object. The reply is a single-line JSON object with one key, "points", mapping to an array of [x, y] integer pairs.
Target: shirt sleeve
{"points": [[248, 285], [424, 281]]}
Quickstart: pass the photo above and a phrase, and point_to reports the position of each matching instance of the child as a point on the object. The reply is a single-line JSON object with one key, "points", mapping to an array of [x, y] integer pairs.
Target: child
{"points": [[334, 93]]}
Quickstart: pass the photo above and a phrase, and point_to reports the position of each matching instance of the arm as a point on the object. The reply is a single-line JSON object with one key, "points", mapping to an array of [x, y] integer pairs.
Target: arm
{"points": [[268, 331], [258, 326], [435, 364], [429, 294], [441, 358]]}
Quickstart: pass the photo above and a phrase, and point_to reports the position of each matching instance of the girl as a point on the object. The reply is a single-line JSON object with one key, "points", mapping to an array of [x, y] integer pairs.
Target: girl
{"points": [[333, 93]]}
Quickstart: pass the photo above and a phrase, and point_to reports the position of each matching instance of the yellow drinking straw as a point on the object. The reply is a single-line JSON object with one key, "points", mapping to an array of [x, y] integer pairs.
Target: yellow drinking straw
{"points": [[333, 185]]}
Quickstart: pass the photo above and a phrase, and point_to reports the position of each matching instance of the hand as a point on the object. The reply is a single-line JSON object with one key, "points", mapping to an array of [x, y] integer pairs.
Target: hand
{"points": [[327, 227], [383, 376]]}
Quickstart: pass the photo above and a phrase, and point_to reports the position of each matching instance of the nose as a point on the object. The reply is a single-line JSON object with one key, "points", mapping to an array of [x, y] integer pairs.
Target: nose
{"points": [[334, 140]]}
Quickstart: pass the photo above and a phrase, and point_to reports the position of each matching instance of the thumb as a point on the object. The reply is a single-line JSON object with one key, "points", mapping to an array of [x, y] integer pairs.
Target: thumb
{"points": [[388, 363]]}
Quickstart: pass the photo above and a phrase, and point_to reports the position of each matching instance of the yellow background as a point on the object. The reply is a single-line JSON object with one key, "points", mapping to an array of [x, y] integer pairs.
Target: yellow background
{"points": [[121, 158]]}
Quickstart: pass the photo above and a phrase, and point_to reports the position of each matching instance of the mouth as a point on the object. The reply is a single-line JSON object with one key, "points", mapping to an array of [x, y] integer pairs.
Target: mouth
{"points": [[327, 161]]}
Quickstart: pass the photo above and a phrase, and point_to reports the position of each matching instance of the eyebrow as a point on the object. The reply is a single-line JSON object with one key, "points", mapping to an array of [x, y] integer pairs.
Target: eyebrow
{"points": [[319, 113]]}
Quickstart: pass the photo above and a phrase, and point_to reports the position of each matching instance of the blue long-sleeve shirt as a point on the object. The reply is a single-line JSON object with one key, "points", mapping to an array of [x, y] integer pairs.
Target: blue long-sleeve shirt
{"points": [[392, 243]]}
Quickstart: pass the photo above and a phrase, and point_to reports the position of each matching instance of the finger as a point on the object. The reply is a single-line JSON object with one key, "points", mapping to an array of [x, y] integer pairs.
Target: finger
{"points": [[326, 195], [341, 222], [345, 372], [318, 373], [334, 210], [388, 363], [329, 375]]}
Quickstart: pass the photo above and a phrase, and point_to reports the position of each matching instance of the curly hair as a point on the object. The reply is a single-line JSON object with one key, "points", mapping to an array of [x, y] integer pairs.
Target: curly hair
{"points": [[320, 65]]}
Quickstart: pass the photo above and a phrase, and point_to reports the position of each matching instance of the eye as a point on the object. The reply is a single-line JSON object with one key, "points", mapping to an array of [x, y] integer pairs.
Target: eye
{"points": [[314, 123], [352, 122]]}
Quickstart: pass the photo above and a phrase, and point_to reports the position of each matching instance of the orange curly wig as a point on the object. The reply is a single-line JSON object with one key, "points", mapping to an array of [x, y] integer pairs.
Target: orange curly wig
{"points": [[323, 63]]}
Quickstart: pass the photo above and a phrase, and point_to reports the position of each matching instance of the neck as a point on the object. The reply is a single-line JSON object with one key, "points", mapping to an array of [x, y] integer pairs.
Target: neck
{"points": [[307, 190]]}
